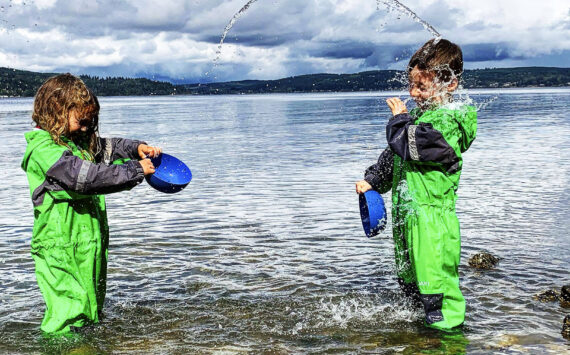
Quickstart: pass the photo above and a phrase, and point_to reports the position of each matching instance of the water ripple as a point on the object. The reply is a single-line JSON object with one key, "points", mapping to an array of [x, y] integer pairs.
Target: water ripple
{"points": [[264, 252]]}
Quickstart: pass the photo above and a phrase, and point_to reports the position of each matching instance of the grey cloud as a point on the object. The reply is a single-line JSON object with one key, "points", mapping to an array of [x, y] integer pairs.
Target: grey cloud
{"points": [[386, 54], [477, 26], [343, 49], [488, 52], [442, 17], [256, 40], [313, 34], [265, 24]]}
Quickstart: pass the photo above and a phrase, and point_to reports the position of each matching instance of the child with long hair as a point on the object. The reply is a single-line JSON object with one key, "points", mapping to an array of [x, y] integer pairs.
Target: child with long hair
{"points": [[69, 167]]}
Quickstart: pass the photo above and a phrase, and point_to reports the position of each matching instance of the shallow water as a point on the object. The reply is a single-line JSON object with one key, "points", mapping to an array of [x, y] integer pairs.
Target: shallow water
{"points": [[264, 250]]}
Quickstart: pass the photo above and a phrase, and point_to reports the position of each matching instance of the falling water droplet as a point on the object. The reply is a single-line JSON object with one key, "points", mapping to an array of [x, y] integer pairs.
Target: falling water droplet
{"points": [[394, 4]]}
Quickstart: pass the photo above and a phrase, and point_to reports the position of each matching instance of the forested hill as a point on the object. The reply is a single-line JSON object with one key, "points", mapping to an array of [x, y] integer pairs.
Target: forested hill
{"points": [[25, 83], [15, 82]]}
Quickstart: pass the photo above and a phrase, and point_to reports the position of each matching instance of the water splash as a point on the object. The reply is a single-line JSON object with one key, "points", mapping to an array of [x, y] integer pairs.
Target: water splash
{"points": [[340, 312], [391, 4], [229, 27], [462, 97], [395, 4]]}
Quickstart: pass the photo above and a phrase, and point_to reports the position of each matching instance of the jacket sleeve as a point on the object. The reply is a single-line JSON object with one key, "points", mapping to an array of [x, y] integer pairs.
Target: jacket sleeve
{"points": [[380, 174], [73, 174], [117, 148], [424, 143]]}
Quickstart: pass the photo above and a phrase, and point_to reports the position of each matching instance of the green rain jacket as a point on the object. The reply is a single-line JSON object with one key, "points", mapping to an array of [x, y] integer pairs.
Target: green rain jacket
{"points": [[422, 166], [71, 235]]}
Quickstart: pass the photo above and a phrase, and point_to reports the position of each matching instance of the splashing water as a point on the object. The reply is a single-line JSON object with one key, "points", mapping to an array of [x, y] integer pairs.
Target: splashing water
{"points": [[394, 4], [229, 27], [389, 3]]}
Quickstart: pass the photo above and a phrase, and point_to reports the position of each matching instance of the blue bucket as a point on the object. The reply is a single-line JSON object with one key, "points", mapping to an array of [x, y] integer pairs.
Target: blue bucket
{"points": [[171, 175], [372, 213]]}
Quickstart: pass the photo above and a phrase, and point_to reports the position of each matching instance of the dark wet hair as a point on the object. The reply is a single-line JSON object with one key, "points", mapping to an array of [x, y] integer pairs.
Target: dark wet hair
{"points": [[441, 57]]}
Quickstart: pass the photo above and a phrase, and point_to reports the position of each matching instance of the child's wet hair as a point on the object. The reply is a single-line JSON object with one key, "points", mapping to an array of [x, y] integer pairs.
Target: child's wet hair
{"points": [[441, 57], [53, 102]]}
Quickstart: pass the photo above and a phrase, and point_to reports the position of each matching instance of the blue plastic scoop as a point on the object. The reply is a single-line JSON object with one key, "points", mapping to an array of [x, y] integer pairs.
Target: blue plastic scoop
{"points": [[372, 213], [171, 174]]}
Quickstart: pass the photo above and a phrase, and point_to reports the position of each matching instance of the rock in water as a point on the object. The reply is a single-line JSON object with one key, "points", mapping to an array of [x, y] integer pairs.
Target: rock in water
{"points": [[565, 296], [547, 296], [484, 261], [566, 327]]}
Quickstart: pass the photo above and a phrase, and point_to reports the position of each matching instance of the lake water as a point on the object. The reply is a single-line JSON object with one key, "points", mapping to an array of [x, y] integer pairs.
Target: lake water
{"points": [[264, 250]]}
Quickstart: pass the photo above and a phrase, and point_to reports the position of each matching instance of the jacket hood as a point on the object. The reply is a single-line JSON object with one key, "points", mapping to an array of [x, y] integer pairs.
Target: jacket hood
{"points": [[466, 118], [34, 139], [467, 121]]}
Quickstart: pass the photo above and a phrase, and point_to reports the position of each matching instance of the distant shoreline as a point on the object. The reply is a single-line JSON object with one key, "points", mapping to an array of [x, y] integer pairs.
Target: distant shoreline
{"points": [[19, 83], [474, 91]]}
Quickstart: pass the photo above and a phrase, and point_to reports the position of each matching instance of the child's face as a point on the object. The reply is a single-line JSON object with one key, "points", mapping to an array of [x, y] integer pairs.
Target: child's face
{"points": [[427, 90], [80, 121]]}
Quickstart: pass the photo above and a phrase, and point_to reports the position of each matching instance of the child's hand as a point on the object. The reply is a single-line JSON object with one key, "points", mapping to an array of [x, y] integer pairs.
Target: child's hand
{"points": [[147, 166], [362, 186], [396, 105], [146, 151]]}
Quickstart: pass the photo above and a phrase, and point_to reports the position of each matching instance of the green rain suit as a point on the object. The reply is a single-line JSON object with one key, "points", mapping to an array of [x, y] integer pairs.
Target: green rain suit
{"points": [[422, 166], [71, 235]]}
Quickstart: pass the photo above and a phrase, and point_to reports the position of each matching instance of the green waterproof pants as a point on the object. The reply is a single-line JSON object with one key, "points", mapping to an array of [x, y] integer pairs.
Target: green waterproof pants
{"points": [[427, 245], [72, 279]]}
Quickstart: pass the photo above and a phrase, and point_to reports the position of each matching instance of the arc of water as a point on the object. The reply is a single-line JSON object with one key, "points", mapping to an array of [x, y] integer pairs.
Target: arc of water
{"points": [[230, 25], [389, 3], [398, 5]]}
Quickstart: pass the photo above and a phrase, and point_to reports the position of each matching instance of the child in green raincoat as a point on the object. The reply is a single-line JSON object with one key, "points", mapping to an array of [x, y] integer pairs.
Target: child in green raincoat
{"points": [[422, 165], [69, 167]]}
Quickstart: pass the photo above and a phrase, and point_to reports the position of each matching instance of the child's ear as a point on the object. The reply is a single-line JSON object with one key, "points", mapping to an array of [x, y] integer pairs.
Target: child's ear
{"points": [[452, 85]]}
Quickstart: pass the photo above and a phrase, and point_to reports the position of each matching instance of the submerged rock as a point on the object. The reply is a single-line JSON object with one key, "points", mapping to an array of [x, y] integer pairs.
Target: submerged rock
{"points": [[483, 260], [566, 327], [565, 296], [547, 296]]}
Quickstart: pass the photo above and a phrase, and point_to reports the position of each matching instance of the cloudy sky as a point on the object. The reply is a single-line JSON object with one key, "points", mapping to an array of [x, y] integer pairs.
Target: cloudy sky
{"points": [[178, 39]]}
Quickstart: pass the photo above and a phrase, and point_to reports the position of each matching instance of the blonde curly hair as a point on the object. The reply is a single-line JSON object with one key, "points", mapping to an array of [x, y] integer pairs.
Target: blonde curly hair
{"points": [[53, 102]]}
